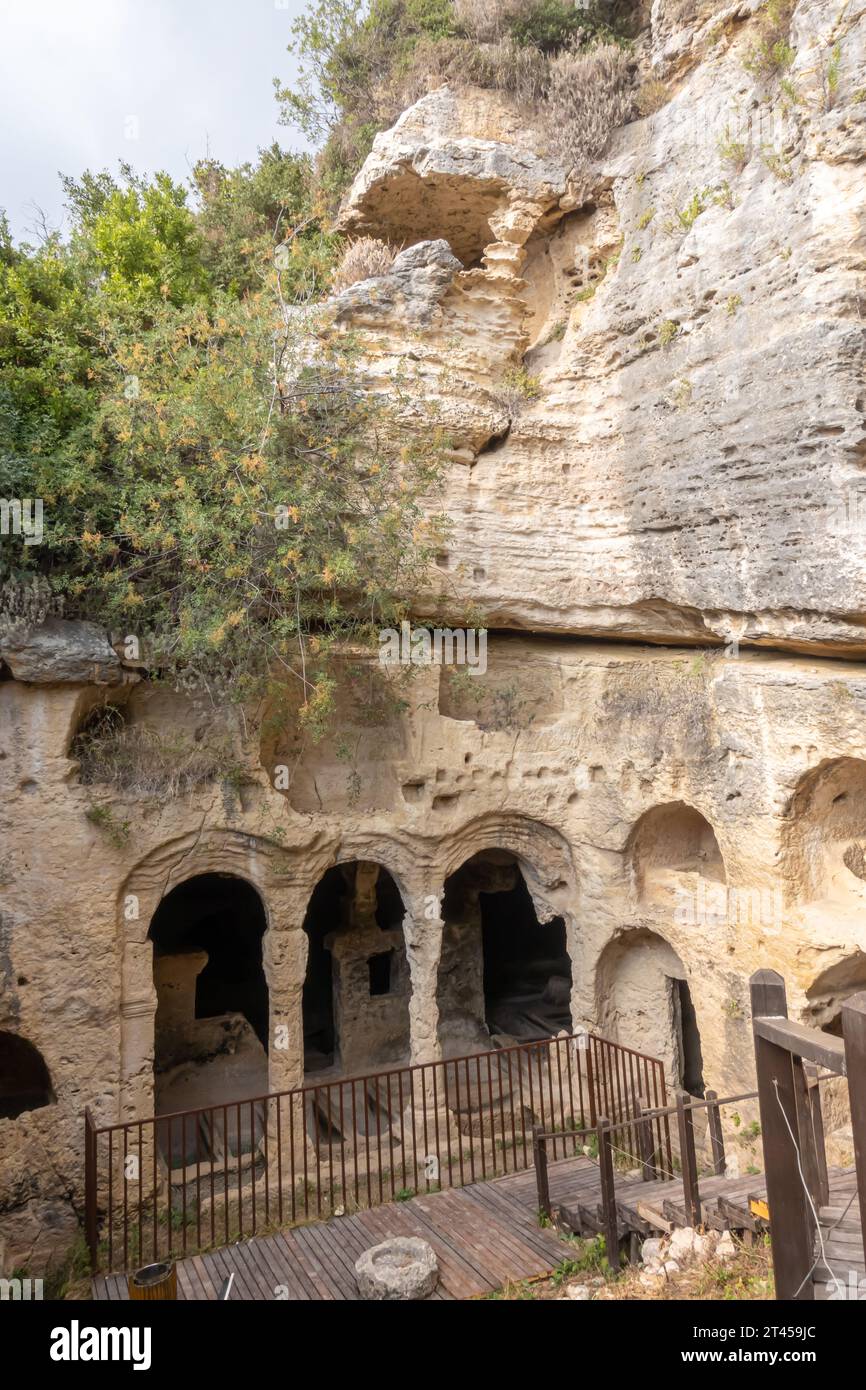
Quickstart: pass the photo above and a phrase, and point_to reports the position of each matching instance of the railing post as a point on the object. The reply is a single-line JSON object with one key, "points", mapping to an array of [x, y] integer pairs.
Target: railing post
{"points": [[644, 1141], [590, 1081], [688, 1159], [854, 1033], [608, 1192], [816, 1118], [812, 1158], [717, 1139], [791, 1231], [90, 1232], [539, 1159]]}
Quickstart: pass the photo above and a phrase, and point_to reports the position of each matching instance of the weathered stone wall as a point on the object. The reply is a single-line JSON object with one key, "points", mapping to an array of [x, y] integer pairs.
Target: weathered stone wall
{"points": [[681, 809], [740, 740]]}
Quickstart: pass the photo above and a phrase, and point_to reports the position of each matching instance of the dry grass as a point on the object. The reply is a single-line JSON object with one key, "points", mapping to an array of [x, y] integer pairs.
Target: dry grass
{"points": [[580, 94], [749, 1275], [144, 762], [652, 96], [362, 259], [588, 96], [487, 20]]}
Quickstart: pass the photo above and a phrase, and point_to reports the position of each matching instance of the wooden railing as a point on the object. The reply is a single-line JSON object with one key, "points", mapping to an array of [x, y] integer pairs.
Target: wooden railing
{"points": [[644, 1154], [791, 1061], [787, 1056]]}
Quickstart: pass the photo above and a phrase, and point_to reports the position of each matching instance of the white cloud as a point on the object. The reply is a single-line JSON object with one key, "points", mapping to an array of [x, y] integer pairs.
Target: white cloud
{"points": [[78, 77]]}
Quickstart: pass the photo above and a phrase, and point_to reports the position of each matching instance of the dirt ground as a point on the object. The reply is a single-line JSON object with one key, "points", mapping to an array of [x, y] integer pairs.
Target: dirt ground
{"points": [[747, 1275]]}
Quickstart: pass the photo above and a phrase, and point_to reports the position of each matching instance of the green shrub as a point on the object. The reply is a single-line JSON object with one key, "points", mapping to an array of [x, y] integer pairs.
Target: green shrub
{"points": [[771, 54], [732, 152]]}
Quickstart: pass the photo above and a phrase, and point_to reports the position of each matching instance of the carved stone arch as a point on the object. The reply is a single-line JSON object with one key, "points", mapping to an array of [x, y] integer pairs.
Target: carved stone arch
{"points": [[545, 863], [643, 1001], [406, 865], [543, 853], [824, 835], [671, 846], [279, 877], [404, 860]]}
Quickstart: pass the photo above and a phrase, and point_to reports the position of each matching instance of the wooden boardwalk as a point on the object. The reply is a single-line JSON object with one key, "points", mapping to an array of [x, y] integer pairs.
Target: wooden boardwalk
{"points": [[487, 1234], [843, 1253], [484, 1236]]}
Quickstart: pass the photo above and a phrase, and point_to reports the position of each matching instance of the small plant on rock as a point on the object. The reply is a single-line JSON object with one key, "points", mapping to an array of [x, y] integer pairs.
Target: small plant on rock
{"points": [[772, 54], [652, 96], [733, 152], [116, 831], [362, 259]]}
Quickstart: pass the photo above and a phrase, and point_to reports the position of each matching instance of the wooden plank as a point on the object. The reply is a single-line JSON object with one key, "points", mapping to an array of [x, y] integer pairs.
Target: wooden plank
{"points": [[211, 1286], [307, 1257], [509, 1234], [737, 1216], [542, 1241], [854, 1033], [808, 1044], [188, 1286], [449, 1212], [255, 1268], [654, 1217], [505, 1233], [790, 1226], [283, 1270], [688, 1159], [338, 1259], [226, 1261]]}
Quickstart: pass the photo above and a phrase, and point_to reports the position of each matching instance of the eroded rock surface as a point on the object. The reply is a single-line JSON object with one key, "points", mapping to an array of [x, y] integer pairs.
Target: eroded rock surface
{"points": [[690, 464], [655, 395]]}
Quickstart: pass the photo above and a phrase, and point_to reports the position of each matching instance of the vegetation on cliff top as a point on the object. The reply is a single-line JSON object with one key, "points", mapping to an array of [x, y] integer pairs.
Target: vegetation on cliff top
{"points": [[361, 67], [216, 482]]}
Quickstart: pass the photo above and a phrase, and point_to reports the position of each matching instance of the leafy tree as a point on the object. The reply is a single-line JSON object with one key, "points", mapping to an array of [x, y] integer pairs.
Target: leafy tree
{"points": [[47, 323], [242, 212], [351, 65], [138, 240], [552, 24], [216, 478]]}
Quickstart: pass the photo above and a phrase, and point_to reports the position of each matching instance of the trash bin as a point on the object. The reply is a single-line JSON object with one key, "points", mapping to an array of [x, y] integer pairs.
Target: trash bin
{"points": [[157, 1281]]}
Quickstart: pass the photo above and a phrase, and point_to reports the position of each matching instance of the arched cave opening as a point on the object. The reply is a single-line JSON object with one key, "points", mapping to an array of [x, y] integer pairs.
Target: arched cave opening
{"points": [[356, 989], [502, 970], [644, 1002], [224, 917], [24, 1080], [669, 842]]}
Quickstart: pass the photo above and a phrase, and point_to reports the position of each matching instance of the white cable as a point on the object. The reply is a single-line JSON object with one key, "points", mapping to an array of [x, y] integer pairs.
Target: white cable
{"points": [[822, 1256]]}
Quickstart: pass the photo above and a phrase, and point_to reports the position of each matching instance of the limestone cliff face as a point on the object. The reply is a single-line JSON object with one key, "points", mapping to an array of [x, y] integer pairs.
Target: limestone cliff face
{"points": [[692, 464], [654, 388]]}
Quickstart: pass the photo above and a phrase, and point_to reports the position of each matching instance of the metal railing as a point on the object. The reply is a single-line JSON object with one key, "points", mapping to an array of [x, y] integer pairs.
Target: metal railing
{"points": [[174, 1184], [644, 1154]]}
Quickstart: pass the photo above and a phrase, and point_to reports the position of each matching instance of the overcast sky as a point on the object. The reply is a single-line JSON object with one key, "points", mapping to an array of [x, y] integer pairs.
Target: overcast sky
{"points": [[158, 83]]}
